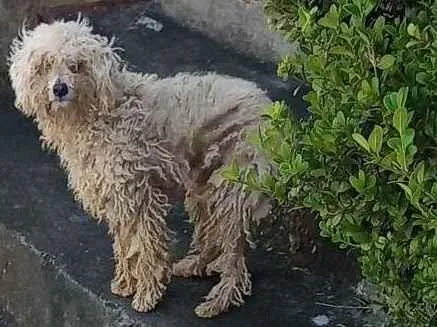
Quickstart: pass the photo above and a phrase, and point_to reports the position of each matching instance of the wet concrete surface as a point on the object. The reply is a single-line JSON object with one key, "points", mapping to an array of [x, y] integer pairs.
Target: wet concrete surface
{"points": [[56, 263]]}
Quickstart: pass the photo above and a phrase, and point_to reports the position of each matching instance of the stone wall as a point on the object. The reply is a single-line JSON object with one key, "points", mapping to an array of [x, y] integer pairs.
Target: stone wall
{"points": [[240, 24]]}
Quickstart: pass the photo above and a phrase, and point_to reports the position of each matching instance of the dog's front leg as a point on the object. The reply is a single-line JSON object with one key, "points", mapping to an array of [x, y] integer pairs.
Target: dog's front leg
{"points": [[141, 252], [124, 283]]}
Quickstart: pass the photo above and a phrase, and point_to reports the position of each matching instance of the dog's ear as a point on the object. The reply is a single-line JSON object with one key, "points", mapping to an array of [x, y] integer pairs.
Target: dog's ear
{"points": [[104, 69], [103, 74]]}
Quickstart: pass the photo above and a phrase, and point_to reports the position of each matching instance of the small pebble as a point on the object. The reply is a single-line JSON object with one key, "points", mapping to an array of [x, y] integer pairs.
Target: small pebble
{"points": [[149, 23], [321, 320], [81, 219]]}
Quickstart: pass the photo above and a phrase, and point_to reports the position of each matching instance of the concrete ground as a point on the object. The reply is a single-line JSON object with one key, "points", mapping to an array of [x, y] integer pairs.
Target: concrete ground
{"points": [[56, 264]]}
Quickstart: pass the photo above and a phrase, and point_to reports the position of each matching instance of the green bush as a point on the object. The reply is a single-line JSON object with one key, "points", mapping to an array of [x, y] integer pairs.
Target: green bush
{"points": [[365, 159]]}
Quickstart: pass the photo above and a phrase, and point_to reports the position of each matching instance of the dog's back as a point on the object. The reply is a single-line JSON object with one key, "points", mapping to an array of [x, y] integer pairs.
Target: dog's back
{"points": [[192, 104]]}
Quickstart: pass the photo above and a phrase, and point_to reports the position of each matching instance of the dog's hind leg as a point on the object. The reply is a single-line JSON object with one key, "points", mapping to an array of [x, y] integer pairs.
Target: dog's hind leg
{"points": [[218, 246], [204, 245]]}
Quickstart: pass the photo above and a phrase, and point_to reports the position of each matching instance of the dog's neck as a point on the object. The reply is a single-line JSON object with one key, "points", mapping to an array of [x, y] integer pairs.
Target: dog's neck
{"points": [[62, 130]]}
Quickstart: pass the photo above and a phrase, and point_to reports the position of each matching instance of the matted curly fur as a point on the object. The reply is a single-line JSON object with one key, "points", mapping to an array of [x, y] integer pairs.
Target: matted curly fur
{"points": [[128, 140]]}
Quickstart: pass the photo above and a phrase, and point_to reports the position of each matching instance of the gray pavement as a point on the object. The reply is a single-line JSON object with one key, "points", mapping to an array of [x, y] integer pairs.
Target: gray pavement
{"points": [[55, 262]]}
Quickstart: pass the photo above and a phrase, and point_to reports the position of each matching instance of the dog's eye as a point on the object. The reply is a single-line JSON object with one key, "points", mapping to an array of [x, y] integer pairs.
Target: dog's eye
{"points": [[47, 66], [76, 67], [41, 68]]}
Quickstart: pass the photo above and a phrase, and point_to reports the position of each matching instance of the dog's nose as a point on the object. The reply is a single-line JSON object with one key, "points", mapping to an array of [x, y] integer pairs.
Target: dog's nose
{"points": [[60, 89]]}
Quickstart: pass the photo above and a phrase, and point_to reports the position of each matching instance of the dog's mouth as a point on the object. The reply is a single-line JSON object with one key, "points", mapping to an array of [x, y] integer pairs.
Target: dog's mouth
{"points": [[59, 103], [62, 100]]}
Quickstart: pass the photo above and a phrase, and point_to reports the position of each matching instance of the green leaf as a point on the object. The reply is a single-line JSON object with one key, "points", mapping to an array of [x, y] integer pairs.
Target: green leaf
{"points": [[408, 137], [331, 19], [366, 6], [304, 18], [434, 189], [422, 78], [251, 178], [362, 176], [412, 150], [375, 139], [401, 160], [407, 190], [386, 62], [268, 182], [400, 120], [389, 161], [399, 223], [419, 172], [394, 143], [366, 87], [341, 51], [411, 44], [413, 30], [409, 156], [414, 247], [391, 101], [360, 237], [378, 27], [371, 182], [339, 120], [364, 37], [311, 202], [336, 220], [232, 172], [318, 172], [352, 9], [356, 183], [359, 183], [361, 141], [375, 85], [280, 191], [402, 97]]}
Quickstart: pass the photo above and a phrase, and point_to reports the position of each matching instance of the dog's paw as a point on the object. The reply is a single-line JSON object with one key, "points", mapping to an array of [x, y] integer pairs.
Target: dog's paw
{"points": [[188, 267], [228, 293], [208, 309], [121, 289], [144, 302]]}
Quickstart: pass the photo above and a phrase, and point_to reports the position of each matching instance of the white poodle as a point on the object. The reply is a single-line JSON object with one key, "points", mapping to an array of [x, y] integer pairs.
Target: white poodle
{"points": [[129, 142]]}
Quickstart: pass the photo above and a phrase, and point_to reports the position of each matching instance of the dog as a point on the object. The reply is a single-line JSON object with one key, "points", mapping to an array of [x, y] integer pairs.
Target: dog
{"points": [[128, 141]]}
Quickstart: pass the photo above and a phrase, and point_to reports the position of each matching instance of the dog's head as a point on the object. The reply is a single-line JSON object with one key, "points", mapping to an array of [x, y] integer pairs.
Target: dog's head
{"points": [[61, 67]]}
